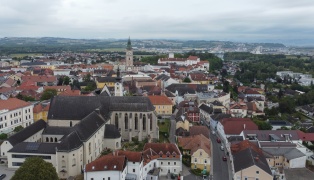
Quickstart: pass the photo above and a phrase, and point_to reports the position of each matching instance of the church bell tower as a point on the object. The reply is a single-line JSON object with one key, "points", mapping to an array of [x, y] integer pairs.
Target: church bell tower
{"points": [[129, 57]]}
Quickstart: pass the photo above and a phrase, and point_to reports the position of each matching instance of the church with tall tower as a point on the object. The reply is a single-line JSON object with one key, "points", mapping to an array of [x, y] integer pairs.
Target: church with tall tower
{"points": [[129, 57]]}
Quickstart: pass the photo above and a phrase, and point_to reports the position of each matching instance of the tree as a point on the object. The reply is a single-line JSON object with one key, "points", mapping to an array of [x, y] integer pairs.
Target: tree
{"points": [[91, 86], [187, 80], [262, 125], [48, 94], [35, 168], [66, 80], [3, 136], [226, 87], [18, 128], [87, 78], [287, 105]]}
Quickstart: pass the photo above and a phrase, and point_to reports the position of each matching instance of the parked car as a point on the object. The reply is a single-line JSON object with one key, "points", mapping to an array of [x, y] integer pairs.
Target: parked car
{"points": [[222, 147], [218, 140], [224, 158], [312, 156], [213, 132], [2, 176]]}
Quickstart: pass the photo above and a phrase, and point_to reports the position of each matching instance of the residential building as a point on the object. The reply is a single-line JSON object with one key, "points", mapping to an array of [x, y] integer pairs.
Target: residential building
{"points": [[162, 104], [15, 112], [41, 80], [40, 111], [249, 162], [199, 148]]}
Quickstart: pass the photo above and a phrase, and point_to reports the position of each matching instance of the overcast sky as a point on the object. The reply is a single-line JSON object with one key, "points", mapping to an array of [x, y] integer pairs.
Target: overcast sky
{"points": [[155, 19]]}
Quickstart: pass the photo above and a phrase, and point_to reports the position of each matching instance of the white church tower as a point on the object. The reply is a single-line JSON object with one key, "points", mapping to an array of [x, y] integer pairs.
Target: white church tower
{"points": [[118, 88]]}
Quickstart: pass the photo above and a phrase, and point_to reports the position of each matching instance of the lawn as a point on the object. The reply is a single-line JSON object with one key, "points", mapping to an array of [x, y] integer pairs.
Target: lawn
{"points": [[164, 126]]}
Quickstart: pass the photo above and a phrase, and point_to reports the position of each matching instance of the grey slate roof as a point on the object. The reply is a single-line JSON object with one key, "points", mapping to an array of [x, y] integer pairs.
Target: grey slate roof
{"points": [[298, 173], [185, 90], [57, 130], [106, 79], [78, 107], [206, 108], [35, 147], [111, 131], [69, 142], [246, 158], [27, 132], [289, 153], [88, 125], [169, 94], [218, 117], [162, 77], [267, 135]]}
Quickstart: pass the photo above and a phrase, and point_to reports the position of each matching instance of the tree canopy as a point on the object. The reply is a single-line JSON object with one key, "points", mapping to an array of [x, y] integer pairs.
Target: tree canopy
{"points": [[35, 168], [48, 94]]}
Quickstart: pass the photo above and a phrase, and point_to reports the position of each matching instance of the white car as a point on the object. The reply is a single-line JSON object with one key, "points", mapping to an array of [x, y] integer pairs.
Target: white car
{"points": [[222, 147]]}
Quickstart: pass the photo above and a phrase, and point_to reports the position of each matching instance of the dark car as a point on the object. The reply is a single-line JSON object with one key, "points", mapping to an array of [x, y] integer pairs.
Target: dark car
{"points": [[218, 140], [224, 158], [2, 176]]}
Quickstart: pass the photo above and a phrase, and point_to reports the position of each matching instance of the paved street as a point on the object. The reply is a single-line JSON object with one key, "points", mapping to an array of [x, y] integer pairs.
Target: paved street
{"points": [[220, 167], [4, 170]]}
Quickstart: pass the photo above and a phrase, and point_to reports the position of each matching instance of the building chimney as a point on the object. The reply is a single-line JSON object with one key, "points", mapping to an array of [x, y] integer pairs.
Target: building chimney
{"points": [[97, 111], [243, 126]]}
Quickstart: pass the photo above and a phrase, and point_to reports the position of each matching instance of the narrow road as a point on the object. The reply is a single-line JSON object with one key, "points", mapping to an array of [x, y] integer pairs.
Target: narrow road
{"points": [[172, 132], [220, 167]]}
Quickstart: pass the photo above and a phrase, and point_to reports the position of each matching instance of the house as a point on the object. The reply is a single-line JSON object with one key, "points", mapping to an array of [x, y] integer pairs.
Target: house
{"points": [[156, 159], [164, 156], [199, 78], [238, 110], [191, 109], [40, 111], [298, 173], [199, 148], [15, 112], [162, 104], [164, 81], [108, 81], [59, 89], [8, 83], [41, 80], [107, 167], [249, 162], [191, 60], [205, 111], [234, 126]]}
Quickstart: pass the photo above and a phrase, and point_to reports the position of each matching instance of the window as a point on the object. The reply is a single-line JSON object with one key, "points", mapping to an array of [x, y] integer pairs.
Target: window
{"points": [[168, 163], [89, 148], [116, 121], [126, 121], [161, 163], [257, 172], [150, 124], [73, 162], [136, 122], [205, 160], [133, 170], [63, 163], [175, 163], [144, 122], [195, 160]]}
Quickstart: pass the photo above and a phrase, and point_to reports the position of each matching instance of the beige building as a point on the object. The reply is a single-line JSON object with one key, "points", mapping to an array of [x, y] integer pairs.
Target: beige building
{"points": [[162, 104], [199, 148], [249, 162]]}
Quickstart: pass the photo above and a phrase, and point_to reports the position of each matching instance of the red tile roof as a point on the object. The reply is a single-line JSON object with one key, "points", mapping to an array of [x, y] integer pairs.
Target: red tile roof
{"points": [[237, 125], [107, 163], [39, 78], [244, 145], [160, 100], [196, 130], [194, 143], [130, 155], [192, 58], [12, 104]]}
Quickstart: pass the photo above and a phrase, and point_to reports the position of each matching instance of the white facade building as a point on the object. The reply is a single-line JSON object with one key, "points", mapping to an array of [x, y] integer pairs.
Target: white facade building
{"points": [[13, 113]]}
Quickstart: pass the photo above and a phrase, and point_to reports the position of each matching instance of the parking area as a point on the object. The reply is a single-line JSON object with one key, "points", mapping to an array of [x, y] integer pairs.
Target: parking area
{"points": [[9, 172]]}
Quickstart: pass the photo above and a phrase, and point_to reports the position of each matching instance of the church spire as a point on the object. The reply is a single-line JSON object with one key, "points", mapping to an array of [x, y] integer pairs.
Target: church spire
{"points": [[118, 78], [129, 46]]}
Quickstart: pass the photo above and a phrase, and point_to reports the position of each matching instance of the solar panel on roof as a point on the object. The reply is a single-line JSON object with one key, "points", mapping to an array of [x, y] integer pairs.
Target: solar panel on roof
{"points": [[32, 146]]}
